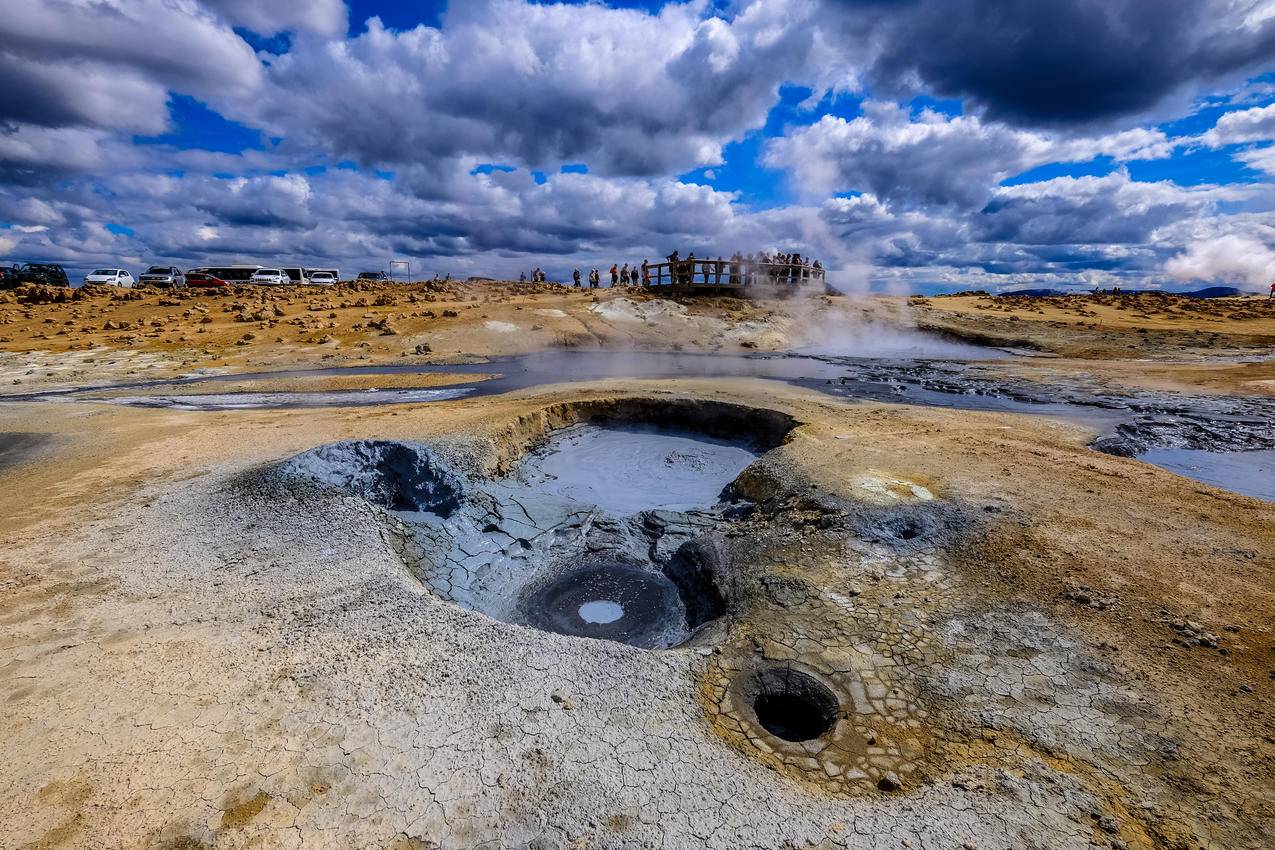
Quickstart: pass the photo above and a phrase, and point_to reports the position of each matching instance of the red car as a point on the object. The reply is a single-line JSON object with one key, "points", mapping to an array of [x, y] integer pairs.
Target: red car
{"points": [[203, 279]]}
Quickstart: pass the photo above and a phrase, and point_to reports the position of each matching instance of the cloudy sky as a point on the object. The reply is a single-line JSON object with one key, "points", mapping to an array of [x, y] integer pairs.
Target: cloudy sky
{"points": [[910, 144]]}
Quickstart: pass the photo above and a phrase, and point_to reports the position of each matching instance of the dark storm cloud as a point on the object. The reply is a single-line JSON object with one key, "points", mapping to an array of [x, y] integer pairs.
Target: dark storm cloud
{"points": [[1060, 61]]}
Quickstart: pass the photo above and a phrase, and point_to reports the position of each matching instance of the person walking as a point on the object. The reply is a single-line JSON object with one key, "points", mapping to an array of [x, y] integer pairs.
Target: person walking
{"points": [[646, 273], [1272, 295], [624, 275], [575, 277]]}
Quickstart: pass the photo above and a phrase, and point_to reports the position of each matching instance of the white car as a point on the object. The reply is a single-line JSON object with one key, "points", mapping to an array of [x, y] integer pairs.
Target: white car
{"points": [[109, 277], [322, 279], [269, 277]]}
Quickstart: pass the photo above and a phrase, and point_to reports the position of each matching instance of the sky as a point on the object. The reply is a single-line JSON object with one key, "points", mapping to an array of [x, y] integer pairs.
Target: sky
{"points": [[911, 146]]}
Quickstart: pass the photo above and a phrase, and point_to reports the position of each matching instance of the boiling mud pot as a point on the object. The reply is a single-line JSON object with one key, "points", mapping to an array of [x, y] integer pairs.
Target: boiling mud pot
{"points": [[600, 532]]}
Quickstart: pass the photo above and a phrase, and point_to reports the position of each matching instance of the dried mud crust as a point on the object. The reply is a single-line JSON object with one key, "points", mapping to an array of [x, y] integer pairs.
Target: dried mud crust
{"points": [[238, 664]]}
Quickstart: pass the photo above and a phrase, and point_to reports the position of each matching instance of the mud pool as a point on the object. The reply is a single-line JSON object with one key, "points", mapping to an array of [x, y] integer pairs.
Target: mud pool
{"points": [[1250, 473], [624, 470], [1131, 424]]}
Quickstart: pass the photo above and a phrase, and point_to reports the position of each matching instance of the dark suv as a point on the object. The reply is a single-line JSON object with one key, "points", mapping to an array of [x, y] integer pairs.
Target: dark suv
{"points": [[48, 274], [373, 276], [8, 276]]}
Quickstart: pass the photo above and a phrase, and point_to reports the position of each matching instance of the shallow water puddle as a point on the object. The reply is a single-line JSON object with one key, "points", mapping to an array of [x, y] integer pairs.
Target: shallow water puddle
{"points": [[276, 400], [624, 470], [1250, 473]]}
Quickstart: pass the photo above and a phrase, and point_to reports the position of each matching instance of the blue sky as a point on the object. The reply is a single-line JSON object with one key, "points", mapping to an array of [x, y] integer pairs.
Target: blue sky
{"points": [[909, 147]]}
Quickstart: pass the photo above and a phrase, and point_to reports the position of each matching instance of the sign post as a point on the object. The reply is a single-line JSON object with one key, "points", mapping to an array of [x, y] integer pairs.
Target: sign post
{"points": [[406, 265]]}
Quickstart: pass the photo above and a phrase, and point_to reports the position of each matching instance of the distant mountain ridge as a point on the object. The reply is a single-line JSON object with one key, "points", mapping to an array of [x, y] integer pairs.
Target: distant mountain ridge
{"points": [[1207, 292]]}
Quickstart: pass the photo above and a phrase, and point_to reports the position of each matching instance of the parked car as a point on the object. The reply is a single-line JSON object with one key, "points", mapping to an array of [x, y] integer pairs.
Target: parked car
{"points": [[164, 276], [48, 274], [196, 278], [109, 277], [322, 279], [269, 277], [8, 276], [373, 276]]}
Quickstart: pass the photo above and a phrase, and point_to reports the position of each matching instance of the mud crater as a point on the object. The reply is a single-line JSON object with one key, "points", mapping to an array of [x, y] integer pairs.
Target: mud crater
{"points": [[596, 520]]}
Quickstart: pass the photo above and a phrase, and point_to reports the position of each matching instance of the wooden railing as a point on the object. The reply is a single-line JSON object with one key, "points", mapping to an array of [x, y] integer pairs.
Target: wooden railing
{"points": [[726, 273]]}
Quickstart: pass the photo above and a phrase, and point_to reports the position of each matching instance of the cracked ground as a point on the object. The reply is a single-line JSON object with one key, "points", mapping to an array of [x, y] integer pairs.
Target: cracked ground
{"points": [[1031, 645]]}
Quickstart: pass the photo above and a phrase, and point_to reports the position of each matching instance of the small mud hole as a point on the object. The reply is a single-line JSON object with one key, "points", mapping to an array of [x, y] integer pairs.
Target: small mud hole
{"points": [[794, 706], [611, 602]]}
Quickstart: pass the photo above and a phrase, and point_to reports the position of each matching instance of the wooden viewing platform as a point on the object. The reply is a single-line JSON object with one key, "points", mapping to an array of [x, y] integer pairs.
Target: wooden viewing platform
{"points": [[736, 278]]}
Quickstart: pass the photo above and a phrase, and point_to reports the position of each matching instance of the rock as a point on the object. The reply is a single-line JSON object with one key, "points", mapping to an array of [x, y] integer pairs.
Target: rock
{"points": [[423, 348], [889, 782]]}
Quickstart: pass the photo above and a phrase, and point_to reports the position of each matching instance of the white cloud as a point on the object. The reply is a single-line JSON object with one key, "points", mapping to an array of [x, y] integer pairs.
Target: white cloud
{"points": [[111, 63], [935, 158], [627, 92], [1244, 125], [326, 17], [1235, 259]]}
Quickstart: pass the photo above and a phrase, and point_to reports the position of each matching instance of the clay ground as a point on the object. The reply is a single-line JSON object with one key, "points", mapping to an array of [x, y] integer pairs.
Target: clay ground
{"points": [[1083, 653]]}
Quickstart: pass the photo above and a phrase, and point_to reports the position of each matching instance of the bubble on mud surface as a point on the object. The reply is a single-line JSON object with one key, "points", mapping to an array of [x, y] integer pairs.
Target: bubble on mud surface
{"points": [[601, 611], [793, 705]]}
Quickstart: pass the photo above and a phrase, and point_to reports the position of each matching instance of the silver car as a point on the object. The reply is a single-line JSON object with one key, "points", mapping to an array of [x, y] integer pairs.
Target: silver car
{"points": [[163, 276]]}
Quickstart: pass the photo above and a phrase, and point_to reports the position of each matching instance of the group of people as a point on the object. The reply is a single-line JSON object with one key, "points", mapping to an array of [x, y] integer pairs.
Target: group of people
{"points": [[776, 269], [620, 276]]}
